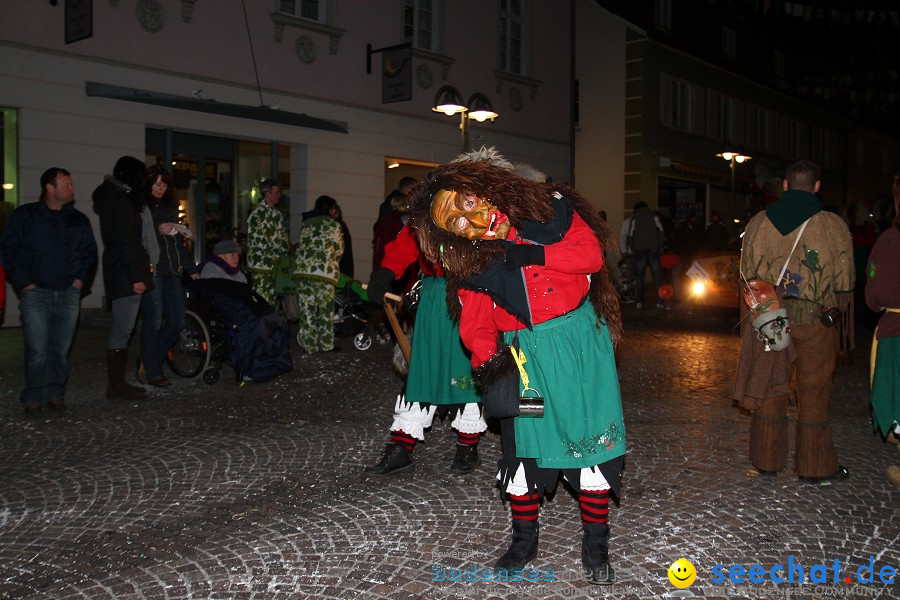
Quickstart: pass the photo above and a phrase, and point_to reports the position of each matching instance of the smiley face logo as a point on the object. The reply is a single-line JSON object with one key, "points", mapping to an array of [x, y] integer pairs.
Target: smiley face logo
{"points": [[682, 573]]}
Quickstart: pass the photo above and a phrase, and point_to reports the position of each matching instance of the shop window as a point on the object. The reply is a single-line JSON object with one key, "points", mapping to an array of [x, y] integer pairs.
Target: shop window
{"points": [[9, 154]]}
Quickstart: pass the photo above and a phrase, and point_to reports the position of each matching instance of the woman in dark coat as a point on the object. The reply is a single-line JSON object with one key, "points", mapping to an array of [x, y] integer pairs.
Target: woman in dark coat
{"points": [[126, 265]]}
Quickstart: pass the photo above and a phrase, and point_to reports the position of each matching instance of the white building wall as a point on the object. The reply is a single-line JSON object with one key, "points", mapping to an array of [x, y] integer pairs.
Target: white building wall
{"points": [[59, 125]]}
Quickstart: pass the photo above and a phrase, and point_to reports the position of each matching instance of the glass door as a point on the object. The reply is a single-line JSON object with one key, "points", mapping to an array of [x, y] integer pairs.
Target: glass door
{"points": [[203, 176], [217, 181]]}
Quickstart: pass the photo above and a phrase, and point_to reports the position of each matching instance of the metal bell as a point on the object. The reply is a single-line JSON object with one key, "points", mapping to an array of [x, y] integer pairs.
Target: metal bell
{"points": [[531, 405]]}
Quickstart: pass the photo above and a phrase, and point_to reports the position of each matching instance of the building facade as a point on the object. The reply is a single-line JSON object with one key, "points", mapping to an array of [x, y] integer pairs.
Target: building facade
{"points": [[226, 97], [664, 89]]}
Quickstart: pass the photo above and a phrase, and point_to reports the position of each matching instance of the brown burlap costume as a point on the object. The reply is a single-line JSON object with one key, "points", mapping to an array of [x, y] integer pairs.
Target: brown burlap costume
{"points": [[819, 273]]}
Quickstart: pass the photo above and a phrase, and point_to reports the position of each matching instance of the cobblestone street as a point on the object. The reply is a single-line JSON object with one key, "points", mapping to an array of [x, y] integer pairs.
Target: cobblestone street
{"points": [[258, 491]]}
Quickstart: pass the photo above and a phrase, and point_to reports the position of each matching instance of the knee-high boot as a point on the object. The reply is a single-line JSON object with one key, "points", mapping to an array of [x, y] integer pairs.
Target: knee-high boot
{"points": [[525, 511], [117, 387], [524, 545], [595, 554]]}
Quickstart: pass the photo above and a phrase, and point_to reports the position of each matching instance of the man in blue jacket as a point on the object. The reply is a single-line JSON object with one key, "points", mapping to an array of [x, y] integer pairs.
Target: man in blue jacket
{"points": [[49, 253]]}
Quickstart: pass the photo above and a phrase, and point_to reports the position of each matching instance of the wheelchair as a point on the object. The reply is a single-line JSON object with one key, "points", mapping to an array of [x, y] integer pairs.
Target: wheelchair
{"points": [[203, 344]]}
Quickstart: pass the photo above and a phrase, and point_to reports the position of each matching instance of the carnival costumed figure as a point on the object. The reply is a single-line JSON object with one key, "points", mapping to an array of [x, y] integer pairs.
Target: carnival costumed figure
{"points": [[316, 273], [883, 293], [439, 379], [439, 374], [524, 263], [268, 239], [798, 259]]}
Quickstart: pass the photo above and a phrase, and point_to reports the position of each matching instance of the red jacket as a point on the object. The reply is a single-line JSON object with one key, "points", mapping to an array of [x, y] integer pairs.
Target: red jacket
{"points": [[554, 289]]}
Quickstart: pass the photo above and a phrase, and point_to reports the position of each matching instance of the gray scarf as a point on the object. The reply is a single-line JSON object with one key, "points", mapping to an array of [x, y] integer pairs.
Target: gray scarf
{"points": [[148, 236]]}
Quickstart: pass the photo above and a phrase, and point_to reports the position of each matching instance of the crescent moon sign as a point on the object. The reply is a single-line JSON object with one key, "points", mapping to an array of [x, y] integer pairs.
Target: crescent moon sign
{"points": [[389, 65]]}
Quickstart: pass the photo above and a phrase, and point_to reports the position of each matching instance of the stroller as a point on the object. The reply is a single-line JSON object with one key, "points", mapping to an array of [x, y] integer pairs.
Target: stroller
{"points": [[351, 313]]}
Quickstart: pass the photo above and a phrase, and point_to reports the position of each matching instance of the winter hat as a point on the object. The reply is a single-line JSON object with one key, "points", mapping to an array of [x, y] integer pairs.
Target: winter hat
{"points": [[226, 247]]}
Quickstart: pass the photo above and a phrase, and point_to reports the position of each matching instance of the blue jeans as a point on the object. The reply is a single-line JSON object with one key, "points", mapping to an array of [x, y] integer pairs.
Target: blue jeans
{"points": [[48, 320], [162, 311], [642, 257]]}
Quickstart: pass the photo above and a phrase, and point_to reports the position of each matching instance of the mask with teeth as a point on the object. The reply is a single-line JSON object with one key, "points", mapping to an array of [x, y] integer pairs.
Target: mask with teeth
{"points": [[469, 216]]}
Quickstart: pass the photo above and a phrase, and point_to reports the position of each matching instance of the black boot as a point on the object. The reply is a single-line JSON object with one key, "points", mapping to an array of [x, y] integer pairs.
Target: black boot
{"points": [[523, 548], [394, 459], [117, 387], [466, 459], [595, 554]]}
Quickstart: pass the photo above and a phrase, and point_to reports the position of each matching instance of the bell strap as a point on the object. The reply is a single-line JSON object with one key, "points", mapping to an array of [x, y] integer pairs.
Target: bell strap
{"points": [[791, 253], [520, 359], [875, 349]]}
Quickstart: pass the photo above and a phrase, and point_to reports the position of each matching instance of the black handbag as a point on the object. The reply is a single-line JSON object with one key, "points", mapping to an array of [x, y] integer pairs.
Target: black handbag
{"points": [[502, 399]]}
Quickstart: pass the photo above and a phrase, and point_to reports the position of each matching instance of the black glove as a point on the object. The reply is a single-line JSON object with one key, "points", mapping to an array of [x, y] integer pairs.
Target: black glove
{"points": [[519, 255], [379, 284]]}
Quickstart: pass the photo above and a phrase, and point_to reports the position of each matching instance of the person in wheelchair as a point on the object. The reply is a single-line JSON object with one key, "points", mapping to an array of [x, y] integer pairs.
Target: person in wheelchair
{"points": [[225, 263], [261, 349]]}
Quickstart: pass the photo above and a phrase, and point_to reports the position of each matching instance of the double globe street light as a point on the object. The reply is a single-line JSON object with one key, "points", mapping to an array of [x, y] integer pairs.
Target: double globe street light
{"points": [[449, 101], [732, 158]]}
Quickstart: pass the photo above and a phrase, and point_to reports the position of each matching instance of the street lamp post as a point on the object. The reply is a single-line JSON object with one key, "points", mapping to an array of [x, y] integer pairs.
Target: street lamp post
{"points": [[449, 101], [733, 157]]}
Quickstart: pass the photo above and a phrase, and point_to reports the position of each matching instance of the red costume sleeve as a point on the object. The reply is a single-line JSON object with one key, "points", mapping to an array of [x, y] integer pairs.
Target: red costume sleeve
{"points": [[577, 252], [476, 325], [401, 252]]}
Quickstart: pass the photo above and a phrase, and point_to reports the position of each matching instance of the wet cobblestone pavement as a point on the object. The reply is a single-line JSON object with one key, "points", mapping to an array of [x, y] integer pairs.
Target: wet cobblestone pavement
{"points": [[258, 491]]}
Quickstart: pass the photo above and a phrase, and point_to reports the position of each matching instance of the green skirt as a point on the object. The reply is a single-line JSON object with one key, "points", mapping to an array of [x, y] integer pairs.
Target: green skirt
{"points": [[572, 365], [440, 367], [886, 385]]}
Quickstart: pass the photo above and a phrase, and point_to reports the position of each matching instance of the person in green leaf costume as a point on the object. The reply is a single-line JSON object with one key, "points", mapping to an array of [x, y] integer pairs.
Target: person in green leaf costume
{"points": [[317, 271], [267, 239]]}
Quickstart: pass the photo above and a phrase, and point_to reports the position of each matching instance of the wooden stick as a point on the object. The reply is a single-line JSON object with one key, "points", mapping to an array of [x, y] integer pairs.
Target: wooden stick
{"points": [[395, 324]]}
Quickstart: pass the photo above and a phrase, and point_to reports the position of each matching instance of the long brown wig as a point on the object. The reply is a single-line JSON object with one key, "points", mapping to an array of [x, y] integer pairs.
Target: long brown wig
{"points": [[521, 200]]}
